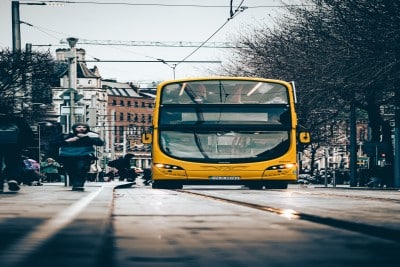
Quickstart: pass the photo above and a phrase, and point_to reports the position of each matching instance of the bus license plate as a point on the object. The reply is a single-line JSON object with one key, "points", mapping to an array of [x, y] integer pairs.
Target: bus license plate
{"points": [[224, 177]]}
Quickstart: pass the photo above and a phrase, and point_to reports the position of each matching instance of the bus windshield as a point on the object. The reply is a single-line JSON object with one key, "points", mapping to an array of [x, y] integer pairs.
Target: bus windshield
{"points": [[223, 120], [224, 147], [224, 92]]}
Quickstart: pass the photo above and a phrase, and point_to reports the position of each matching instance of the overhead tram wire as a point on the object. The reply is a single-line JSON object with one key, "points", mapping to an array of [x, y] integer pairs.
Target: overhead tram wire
{"points": [[133, 43], [153, 4], [137, 43], [152, 61], [154, 43], [233, 14]]}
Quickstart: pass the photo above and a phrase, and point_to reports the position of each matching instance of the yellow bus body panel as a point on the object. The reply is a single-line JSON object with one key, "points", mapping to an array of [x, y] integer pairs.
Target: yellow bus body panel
{"points": [[206, 171]]}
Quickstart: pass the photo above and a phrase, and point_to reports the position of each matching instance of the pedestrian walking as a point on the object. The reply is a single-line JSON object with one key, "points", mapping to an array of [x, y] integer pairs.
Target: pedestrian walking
{"points": [[101, 176], [93, 172], [77, 152], [15, 135], [50, 169], [123, 165], [31, 174], [147, 176]]}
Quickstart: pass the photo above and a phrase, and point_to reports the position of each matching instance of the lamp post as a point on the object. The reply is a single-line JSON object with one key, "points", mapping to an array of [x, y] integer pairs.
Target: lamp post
{"points": [[72, 76]]}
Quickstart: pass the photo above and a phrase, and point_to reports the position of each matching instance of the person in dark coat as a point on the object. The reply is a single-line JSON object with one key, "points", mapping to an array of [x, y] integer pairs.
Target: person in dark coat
{"points": [[77, 152], [123, 165], [147, 176], [15, 135]]}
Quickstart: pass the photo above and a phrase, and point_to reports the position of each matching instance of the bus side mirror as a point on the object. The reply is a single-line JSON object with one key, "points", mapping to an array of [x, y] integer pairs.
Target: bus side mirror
{"points": [[147, 138], [304, 137]]}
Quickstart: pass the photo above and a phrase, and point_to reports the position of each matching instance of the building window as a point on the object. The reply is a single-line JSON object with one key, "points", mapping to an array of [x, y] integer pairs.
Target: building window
{"points": [[121, 132], [114, 102], [129, 103], [121, 102], [121, 116], [129, 117], [136, 104]]}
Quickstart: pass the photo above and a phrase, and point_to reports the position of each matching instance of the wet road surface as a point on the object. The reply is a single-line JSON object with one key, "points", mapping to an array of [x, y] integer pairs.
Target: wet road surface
{"points": [[114, 225]]}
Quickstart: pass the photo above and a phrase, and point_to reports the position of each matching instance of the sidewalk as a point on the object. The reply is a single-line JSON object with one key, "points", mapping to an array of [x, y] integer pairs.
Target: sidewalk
{"points": [[48, 224]]}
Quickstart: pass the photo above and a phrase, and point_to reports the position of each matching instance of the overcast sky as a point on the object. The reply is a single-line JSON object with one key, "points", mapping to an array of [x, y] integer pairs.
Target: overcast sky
{"points": [[131, 20]]}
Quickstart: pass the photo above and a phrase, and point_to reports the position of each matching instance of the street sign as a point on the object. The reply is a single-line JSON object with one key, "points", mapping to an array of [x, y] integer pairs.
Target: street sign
{"points": [[363, 162], [78, 110], [66, 95]]}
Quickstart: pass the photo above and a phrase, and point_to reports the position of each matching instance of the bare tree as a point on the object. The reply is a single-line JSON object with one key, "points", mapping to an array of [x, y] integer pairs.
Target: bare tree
{"points": [[336, 51], [25, 80]]}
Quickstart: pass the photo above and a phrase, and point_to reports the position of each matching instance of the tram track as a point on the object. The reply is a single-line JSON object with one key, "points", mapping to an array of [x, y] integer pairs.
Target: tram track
{"points": [[367, 229], [359, 197], [355, 197]]}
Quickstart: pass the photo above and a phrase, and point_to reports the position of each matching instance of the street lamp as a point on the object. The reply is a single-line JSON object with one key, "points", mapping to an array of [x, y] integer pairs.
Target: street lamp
{"points": [[72, 75]]}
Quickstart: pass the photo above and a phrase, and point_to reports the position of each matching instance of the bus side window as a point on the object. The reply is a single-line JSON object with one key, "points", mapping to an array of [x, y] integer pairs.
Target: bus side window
{"points": [[170, 117], [170, 95], [236, 96]]}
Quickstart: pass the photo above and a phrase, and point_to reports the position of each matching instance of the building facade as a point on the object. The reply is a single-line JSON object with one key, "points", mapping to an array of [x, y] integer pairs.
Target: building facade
{"points": [[129, 114], [119, 112]]}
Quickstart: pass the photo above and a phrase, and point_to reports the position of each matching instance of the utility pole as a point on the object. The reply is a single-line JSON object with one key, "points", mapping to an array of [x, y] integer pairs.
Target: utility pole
{"points": [[16, 31], [353, 145], [397, 141]]}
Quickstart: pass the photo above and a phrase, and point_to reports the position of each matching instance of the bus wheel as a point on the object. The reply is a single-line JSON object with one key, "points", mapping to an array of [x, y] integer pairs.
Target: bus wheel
{"points": [[166, 185], [255, 185], [276, 185]]}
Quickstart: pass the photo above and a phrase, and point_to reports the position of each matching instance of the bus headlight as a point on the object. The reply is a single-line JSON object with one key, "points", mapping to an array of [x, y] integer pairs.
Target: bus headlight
{"points": [[167, 166], [281, 167]]}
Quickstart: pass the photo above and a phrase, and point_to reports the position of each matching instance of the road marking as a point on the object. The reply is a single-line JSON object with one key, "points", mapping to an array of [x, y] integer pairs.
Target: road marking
{"points": [[16, 254]]}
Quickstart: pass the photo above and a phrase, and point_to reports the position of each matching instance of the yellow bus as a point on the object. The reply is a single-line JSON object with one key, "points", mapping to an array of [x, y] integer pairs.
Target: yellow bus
{"points": [[225, 130]]}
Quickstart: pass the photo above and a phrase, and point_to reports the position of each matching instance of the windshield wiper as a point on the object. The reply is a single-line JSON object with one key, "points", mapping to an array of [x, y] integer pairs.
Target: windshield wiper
{"points": [[199, 145], [199, 115], [222, 90]]}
